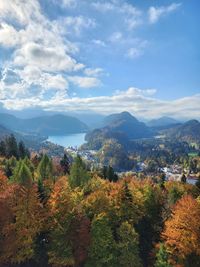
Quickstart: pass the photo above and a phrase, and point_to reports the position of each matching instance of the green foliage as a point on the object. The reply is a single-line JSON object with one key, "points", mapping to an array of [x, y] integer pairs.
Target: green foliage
{"points": [[9, 166], [65, 164], [149, 226], [22, 150], [152, 166], [162, 257], [174, 195], [11, 146], [22, 174], [114, 154], [127, 247], [29, 164], [45, 168], [79, 175], [103, 247], [108, 173]]}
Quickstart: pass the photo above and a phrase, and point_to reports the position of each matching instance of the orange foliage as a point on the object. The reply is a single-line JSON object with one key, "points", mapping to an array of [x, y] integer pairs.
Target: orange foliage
{"points": [[182, 230], [24, 221]]}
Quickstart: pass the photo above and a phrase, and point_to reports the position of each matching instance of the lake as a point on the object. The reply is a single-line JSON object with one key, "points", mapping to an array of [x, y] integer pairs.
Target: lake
{"points": [[74, 140]]}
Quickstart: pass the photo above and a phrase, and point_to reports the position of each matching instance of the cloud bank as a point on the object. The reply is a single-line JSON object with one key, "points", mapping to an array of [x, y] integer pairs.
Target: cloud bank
{"points": [[45, 66]]}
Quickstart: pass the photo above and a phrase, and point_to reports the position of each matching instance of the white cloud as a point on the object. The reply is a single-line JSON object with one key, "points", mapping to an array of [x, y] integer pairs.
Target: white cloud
{"points": [[8, 35], [139, 102], [94, 72], [74, 25], [67, 3], [84, 82], [155, 13], [45, 58], [36, 41], [29, 82], [132, 16], [33, 75], [21, 11]]}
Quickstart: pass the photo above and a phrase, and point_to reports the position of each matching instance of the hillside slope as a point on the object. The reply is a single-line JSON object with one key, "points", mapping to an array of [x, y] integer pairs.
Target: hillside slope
{"points": [[188, 132]]}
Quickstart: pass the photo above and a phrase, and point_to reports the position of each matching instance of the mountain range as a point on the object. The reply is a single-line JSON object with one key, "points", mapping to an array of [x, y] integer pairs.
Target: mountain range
{"points": [[124, 127], [44, 125]]}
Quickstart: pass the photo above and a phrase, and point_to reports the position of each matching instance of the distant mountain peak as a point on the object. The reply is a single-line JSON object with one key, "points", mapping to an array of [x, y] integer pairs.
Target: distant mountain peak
{"points": [[162, 121]]}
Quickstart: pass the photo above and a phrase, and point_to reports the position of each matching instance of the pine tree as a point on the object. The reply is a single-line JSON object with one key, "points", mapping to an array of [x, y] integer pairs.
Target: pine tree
{"points": [[65, 164], [22, 174], [108, 173], [2, 148], [45, 168], [79, 175], [10, 165], [11, 146], [21, 150], [128, 250], [128, 209], [102, 251]]}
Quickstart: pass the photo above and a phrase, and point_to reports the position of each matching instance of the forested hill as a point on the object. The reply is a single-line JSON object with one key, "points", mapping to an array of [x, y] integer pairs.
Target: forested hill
{"points": [[122, 127], [189, 132], [44, 125], [125, 123]]}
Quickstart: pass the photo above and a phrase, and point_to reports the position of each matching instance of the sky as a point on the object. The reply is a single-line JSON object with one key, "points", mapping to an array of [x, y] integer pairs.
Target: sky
{"points": [[101, 56]]}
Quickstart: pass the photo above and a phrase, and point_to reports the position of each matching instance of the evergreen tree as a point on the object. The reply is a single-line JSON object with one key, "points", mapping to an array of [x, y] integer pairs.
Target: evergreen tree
{"points": [[22, 150], [29, 164], [79, 175], [162, 257], [65, 164], [128, 251], [128, 209], [45, 168], [2, 148], [10, 165], [174, 195], [11, 146], [102, 251], [108, 173], [22, 174]]}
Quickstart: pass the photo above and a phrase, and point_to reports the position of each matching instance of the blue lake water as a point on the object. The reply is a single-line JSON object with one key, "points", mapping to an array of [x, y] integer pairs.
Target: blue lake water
{"points": [[74, 140]]}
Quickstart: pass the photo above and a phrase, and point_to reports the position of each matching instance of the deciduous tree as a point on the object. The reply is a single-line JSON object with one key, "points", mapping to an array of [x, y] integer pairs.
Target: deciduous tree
{"points": [[182, 230]]}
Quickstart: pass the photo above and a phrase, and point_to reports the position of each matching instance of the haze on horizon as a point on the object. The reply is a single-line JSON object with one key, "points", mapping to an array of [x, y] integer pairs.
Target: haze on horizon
{"points": [[101, 56]]}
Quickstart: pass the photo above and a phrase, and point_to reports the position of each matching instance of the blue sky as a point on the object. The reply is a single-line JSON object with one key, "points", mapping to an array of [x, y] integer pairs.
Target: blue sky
{"points": [[104, 56]]}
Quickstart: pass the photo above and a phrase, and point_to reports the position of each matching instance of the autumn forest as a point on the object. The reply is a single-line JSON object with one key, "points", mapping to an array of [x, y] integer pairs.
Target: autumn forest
{"points": [[64, 214]]}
